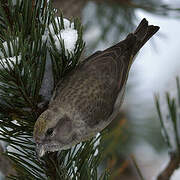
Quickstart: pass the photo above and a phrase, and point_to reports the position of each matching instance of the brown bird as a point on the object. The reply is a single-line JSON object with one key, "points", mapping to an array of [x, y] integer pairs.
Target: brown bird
{"points": [[90, 96]]}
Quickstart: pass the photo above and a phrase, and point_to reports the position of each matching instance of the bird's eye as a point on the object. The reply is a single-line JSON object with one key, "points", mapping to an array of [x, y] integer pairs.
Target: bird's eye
{"points": [[49, 132]]}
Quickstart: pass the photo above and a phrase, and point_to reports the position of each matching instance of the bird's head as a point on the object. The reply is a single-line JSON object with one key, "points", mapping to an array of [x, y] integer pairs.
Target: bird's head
{"points": [[53, 131]]}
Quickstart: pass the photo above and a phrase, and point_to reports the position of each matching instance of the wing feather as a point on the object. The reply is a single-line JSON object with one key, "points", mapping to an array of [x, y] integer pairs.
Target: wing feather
{"points": [[92, 88]]}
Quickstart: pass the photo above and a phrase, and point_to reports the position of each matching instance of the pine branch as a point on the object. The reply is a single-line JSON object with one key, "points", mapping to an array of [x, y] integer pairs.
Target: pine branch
{"points": [[24, 50]]}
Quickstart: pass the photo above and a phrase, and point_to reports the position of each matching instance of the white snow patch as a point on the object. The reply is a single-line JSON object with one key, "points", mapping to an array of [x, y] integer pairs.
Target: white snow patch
{"points": [[69, 36], [66, 22]]}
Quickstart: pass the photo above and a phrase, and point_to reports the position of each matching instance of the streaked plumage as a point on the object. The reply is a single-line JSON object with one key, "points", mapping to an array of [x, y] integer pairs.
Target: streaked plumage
{"points": [[89, 97]]}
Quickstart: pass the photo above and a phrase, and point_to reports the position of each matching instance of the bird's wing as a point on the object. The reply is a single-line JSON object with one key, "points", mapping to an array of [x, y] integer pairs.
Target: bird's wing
{"points": [[92, 88]]}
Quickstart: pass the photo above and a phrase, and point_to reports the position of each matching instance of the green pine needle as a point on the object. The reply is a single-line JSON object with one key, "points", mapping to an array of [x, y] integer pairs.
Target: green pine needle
{"points": [[20, 82]]}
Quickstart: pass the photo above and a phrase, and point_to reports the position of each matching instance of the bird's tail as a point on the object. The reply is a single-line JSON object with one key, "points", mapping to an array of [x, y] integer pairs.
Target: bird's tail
{"points": [[134, 41], [143, 33]]}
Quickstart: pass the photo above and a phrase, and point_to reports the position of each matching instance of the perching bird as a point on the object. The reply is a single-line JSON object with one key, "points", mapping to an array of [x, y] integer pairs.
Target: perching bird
{"points": [[89, 97]]}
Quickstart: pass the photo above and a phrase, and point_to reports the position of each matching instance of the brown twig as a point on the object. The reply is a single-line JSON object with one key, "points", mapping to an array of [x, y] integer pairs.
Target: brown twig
{"points": [[170, 168]]}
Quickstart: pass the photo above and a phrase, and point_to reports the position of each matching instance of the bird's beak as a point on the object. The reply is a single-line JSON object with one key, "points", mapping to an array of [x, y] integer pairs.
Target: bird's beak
{"points": [[40, 150]]}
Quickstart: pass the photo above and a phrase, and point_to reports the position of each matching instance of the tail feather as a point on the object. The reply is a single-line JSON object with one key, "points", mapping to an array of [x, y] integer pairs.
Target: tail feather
{"points": [[143, 33], [135, 41]]}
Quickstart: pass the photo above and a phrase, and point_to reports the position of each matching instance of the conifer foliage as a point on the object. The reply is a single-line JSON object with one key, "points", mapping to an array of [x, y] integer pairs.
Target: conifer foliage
{"points": [[27, 45]]}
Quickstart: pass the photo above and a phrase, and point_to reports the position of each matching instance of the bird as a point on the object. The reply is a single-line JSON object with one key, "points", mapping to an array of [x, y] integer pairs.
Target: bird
{"points": [[89, 97]]}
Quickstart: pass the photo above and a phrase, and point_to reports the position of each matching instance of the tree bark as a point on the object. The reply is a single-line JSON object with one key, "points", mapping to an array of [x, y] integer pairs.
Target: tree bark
{"points": [[170, 168]]}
